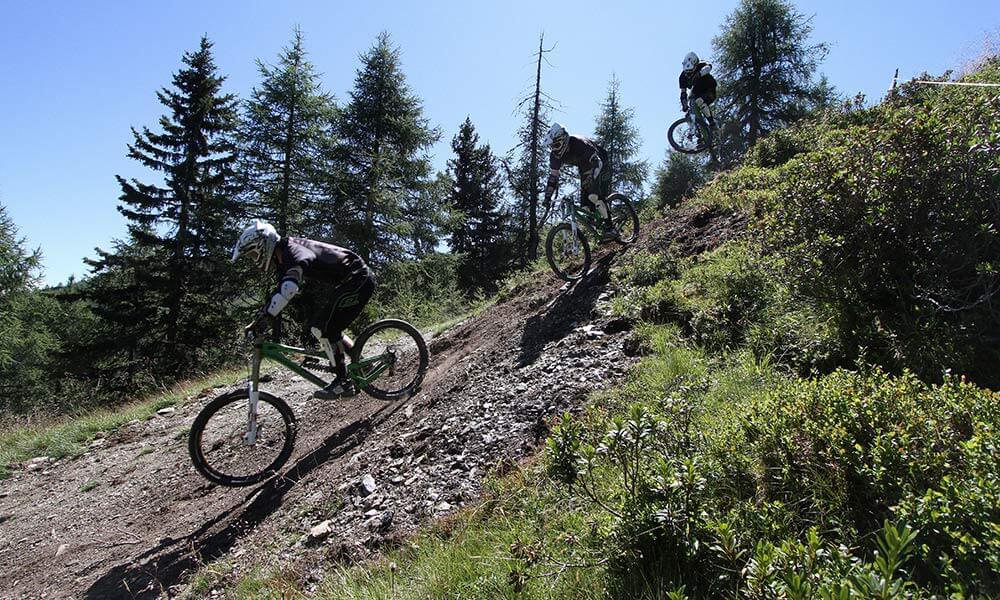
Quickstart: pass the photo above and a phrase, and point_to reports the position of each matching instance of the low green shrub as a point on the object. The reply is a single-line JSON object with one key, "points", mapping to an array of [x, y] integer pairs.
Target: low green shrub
{"points": [[848, 485]]}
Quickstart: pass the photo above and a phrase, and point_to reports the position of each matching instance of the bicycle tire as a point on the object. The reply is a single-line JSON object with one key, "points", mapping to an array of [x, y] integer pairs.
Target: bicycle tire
{"points": [[620, 202], [680, 147], [213, 474], [377, 390], [550, 253]]}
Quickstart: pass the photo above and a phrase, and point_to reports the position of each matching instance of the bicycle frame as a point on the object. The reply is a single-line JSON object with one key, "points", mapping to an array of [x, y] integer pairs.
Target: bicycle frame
{"points": [[576, 216], [362, 372]]}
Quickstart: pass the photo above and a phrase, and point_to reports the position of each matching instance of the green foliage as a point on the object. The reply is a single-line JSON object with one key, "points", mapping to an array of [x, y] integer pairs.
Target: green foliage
{"points": [[766, 67], [677, 179], [167, 286], [424, 291], [286, 138], [890, 218], [617, 134], [735, 482], [384, 140], [478, 228]]}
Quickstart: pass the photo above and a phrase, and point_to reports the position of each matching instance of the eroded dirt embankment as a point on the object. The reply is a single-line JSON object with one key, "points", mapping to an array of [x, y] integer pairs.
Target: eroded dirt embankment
{"points": [[147, 520]]}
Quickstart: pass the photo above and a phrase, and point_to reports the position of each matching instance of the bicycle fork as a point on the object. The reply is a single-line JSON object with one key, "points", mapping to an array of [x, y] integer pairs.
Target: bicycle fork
{"points": [[253, 391]]}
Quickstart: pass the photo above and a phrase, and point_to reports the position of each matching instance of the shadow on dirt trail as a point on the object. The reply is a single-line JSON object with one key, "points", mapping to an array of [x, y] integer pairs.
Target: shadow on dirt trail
{"points": [[149, 574], [562, 315]]}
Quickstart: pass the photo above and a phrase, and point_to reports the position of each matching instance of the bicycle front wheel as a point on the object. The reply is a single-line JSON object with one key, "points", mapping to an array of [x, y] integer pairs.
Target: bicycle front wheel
{"points": [[569, 255], [227, 450], [624, 219], [391, 357], [687, 139]]}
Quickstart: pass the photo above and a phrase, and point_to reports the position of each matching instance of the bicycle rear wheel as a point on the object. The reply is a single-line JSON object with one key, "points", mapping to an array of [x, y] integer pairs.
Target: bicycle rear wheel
{"points": [[393, 353], [221, 449], [569, 257], [624, 219]]}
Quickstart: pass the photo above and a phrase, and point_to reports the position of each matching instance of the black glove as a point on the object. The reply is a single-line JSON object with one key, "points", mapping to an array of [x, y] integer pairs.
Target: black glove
{"points": [[261, 324], [684, 105]]}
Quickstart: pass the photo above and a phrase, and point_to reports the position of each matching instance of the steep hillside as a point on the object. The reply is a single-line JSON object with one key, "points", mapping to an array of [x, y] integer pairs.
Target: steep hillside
{"points": [[131, 518]]}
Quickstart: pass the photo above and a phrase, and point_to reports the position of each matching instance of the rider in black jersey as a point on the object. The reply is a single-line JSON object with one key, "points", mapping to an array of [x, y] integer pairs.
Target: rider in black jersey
{"points": [[591, 161], [297, 260], [697, 76]]}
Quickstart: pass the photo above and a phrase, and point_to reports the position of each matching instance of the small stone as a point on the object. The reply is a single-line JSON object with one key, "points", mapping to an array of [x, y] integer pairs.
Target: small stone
{"points": [[372, 513], [398, 479], [368, 485], [321, 531], [166, 412], [443, 507], [63, 549]]}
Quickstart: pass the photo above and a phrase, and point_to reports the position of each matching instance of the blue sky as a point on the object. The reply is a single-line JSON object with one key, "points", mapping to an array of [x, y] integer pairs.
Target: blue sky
{"points": [[74, 76]]}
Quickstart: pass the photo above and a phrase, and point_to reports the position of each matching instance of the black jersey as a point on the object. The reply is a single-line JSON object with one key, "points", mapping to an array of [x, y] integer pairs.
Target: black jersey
{"points": [[701, 86], [582, 153], [301, 259]]}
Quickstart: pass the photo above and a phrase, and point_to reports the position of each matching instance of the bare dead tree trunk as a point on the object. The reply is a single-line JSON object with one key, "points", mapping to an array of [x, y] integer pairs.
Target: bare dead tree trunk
{"points": [[533, 174]]}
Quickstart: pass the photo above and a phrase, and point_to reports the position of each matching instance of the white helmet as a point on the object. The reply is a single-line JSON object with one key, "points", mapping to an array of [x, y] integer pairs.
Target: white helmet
{"points": [[259, 240], [690, 62], [557, 138]]}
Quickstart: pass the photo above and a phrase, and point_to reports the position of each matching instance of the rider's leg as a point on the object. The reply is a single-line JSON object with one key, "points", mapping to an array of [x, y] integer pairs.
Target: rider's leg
{"points": [[706, 109], [347, 304]]}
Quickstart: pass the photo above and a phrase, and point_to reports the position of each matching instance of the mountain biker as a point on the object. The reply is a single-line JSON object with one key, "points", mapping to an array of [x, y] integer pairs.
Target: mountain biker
{"points": [[591, 161], [697, 76], [298, 260]]}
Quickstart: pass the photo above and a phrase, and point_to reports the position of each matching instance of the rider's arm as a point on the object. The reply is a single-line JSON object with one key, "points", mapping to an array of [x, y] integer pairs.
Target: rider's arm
{"points": [[596, 164], [684, 92], [553, 182], [288, 287]]}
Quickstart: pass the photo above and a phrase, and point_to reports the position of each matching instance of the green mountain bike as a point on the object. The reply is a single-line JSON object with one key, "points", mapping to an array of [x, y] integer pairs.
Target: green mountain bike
{"points": [[243, 437], [566, 246]]}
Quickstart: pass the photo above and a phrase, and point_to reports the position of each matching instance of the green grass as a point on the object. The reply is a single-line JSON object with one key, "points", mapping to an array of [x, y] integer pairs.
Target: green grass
{"points": [[89, 486], [69, 436]]}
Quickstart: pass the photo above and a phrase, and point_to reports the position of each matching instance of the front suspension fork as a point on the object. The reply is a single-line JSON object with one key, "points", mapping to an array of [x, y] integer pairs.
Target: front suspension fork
{"points": [[253, 391]]}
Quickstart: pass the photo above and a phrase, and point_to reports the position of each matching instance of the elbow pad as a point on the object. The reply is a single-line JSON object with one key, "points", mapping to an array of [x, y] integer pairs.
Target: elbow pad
{"points": [[286, 291], [598, 165]]}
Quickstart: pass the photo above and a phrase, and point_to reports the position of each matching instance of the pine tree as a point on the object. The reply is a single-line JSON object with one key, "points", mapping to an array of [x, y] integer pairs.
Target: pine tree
{"points": [[766, 67], [286, 146], [478, 229], [178, 276], [677, 179], [618, 135], [384, 141]]}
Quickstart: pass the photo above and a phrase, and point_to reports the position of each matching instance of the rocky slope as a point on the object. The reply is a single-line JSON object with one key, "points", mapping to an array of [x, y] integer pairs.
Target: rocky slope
{"points": [[131, 518]]}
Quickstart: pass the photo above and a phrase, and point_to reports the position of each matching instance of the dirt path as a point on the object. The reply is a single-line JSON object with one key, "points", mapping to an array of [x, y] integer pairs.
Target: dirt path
{"points": [[131, 518]]}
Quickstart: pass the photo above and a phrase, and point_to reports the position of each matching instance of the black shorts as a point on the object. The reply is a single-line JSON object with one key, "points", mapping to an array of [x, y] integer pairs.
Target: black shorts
{"points": [[346, 302]]}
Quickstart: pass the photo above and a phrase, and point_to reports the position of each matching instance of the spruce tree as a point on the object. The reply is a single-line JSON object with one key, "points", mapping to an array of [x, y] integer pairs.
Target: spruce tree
{"points": [[677, 179], [286, 140], [173, 267], [384, 140], [618, 135], [766, 66], [478, 228]]}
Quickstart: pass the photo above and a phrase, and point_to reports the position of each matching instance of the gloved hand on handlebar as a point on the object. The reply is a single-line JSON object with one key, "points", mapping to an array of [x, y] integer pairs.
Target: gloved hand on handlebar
{"points": [[259, 325]]}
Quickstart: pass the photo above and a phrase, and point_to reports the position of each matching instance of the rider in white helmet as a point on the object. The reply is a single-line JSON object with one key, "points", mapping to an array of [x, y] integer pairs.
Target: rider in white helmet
{"points": [[591, 161], [697, 76], [297, 260]]}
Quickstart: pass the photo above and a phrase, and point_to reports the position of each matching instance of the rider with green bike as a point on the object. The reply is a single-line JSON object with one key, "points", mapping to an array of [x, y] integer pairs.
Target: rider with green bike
{"points": [[591, 161], [297, 260]]}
